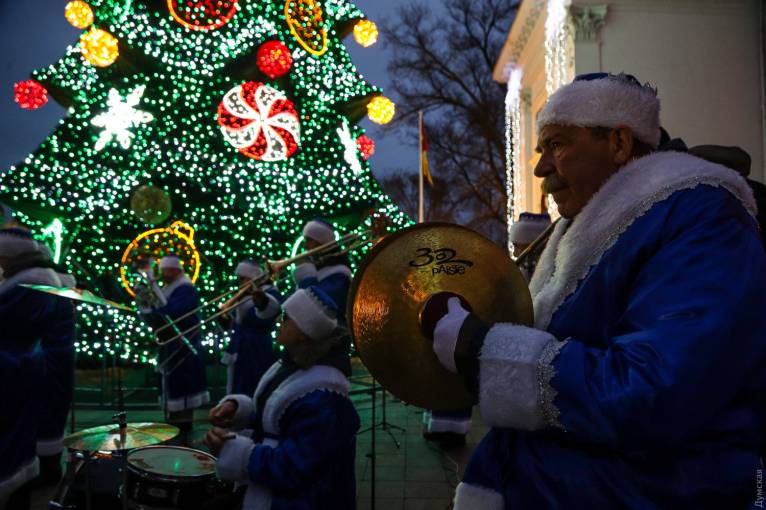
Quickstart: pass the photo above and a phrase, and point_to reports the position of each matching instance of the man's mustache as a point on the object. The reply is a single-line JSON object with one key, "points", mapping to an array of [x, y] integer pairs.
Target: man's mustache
{"points": [[553, 183]]}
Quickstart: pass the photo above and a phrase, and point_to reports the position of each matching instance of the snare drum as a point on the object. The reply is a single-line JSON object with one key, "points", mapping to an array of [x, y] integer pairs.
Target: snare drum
{"points": [[170, 478]]}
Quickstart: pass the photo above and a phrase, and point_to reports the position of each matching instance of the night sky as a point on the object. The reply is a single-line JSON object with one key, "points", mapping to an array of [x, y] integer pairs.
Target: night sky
{"points": [[34, 34]]}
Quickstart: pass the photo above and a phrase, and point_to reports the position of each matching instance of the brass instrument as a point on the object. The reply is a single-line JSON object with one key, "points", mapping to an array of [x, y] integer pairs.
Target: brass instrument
{"points": [[235, 297]]}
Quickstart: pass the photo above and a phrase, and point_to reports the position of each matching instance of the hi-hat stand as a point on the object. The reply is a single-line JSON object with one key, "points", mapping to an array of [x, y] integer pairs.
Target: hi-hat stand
{"points": [[383, 425]]}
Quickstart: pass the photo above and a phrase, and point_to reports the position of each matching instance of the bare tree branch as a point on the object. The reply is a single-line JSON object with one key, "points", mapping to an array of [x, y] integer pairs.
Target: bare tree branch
{"points": [[444, 67]]}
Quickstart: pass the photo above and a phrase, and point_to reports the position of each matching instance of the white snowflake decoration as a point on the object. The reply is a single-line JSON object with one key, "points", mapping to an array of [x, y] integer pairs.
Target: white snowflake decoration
{"points": [[120, 118], [351, 152]]}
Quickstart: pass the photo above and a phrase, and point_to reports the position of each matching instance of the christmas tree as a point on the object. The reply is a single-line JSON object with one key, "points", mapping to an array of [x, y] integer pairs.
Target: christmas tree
{"points": [[212, 129]]}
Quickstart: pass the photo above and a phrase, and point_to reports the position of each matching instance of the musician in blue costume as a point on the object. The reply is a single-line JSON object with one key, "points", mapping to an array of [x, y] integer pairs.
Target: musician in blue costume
{"points": [[59, 360], [641, 384], [27, 318], [251, 352], [183, 372], [301, 454], [331, 274]]}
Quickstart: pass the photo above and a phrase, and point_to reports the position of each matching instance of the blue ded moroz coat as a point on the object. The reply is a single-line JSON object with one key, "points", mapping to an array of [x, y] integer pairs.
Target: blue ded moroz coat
{"points": [[251, 353], [302, 451], [26, 318], [58, 379], [334, 279], [184, 380], [642, 384]]}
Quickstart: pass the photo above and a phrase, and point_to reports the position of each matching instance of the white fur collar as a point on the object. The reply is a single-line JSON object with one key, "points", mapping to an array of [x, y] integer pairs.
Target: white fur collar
{"points": [[168, 290], [577, 245], [299, 384], [332, 270], [34, 275]]}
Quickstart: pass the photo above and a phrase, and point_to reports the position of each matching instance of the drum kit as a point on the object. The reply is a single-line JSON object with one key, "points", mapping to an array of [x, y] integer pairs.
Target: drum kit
{"points": [[125, 466]]}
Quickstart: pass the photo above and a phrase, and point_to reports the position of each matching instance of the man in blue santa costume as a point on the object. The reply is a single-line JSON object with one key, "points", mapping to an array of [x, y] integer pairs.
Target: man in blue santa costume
{"points": [[58, 383], [250, 352], [332, 274], [183, 372], [27, 318], [302, 450], [641, 383]]}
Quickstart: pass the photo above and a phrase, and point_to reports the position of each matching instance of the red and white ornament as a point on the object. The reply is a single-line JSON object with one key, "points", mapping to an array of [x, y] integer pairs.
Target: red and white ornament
{"points": [[274, 59], [260, 122], [203, 14], [30, 94], [366, 146]]}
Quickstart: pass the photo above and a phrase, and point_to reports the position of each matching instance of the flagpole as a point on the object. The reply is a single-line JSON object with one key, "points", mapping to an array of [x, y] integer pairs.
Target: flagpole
{"points": [[421, 215]]}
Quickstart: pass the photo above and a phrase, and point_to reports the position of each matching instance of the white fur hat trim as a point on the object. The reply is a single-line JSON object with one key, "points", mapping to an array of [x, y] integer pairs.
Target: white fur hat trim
{"points": [[319, 231], [170, 262], [247, 269], [606, 102], [309, 315]]}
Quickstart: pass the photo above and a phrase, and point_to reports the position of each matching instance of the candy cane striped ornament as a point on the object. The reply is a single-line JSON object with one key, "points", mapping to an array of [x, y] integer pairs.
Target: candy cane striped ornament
{"points": [[260, 122]]}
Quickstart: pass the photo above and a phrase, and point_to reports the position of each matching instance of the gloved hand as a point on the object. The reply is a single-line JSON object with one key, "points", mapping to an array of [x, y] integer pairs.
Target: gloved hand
{"points": [[447, 331]]}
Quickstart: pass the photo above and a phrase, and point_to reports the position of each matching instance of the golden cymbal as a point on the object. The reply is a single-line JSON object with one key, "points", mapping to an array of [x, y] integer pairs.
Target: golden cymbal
{"points": [[112, 438], [83, 295], [390, 290]]}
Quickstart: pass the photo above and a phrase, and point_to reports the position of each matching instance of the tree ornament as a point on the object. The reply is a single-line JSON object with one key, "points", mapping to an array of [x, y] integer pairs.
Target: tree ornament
{"points": [[366, 146], [306, 21], [260, 122], [350, 154], [381, 110], [150, 204], [79, 14], [30, 94], [177, 239], [203, 14], [274, 59], [120, 117], [99, 47], [366, 33]]}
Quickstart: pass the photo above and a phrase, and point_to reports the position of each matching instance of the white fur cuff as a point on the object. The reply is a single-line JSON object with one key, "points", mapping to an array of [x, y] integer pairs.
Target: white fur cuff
{"points": [[509, 380], [272, 309], [245, 409], [473, 497], [234, 458], [303, 271], [607, 102]]}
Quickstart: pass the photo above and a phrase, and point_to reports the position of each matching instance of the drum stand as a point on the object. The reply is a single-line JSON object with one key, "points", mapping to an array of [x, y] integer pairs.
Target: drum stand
{"points": [[384, 425]]}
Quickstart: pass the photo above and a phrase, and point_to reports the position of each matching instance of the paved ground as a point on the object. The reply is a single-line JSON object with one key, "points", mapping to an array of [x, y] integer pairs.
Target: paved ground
{"points": [[410, 473]]}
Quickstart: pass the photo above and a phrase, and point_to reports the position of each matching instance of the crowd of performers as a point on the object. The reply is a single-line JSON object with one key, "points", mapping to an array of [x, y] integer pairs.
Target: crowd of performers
{"points": [[641, 384]]}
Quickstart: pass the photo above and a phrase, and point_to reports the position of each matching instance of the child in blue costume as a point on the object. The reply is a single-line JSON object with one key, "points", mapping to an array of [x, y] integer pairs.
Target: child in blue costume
{"points": [[301, 452]]}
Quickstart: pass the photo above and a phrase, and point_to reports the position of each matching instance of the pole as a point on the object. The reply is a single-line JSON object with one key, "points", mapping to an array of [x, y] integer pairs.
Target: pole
{"points": [[421, 215]]}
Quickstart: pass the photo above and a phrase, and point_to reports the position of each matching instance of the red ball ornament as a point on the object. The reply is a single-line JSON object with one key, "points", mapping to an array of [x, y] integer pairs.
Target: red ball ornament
{"points": [[274, 59], [260, 122], [203, 14], [30, 94], [366, 146]]}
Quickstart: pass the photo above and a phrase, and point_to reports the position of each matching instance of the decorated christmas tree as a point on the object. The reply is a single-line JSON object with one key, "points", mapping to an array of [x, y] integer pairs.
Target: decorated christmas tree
{"points": [[212, 129]]}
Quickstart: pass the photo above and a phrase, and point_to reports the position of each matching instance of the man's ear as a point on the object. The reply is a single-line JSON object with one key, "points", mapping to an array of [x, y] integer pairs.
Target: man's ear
{"points": [[621, 143]]}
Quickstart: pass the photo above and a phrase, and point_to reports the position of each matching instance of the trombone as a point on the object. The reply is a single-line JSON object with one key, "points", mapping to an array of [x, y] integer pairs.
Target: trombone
{"points": [[236, 297]]}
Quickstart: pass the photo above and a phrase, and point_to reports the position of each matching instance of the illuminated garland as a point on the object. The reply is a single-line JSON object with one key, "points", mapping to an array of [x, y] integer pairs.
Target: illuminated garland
{"points": [[237, 206]]}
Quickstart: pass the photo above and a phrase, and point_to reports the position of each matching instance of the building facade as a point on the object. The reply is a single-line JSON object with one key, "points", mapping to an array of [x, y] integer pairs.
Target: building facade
{"points": [[704, 56]]}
